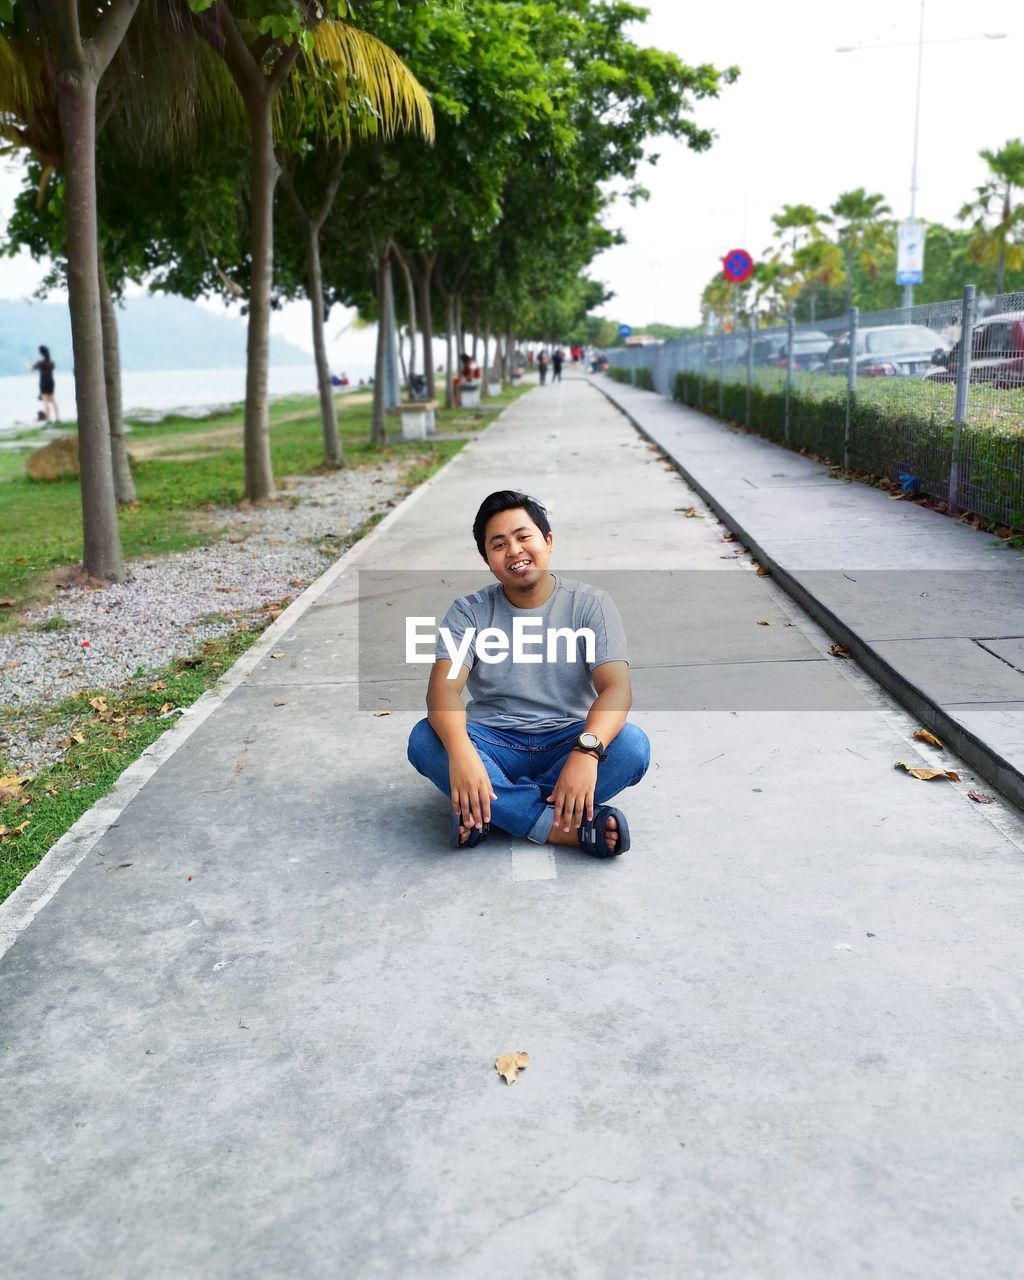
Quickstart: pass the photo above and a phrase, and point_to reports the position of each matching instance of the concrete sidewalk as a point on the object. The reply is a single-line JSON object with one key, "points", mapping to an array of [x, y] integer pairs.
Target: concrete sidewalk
{"points": [[253, 1033], [933, 609]]}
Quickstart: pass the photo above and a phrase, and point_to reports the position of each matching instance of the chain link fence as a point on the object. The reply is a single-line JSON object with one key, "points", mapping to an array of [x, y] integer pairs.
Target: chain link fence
{"points": [[930, 397]]}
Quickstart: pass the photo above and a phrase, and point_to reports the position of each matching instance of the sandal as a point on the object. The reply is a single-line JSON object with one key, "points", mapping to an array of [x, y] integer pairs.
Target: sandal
{"points": [[475, 836], [591, 835]]}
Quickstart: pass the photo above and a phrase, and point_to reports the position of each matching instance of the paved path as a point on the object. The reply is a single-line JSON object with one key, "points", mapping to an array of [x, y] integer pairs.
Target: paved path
{"points": [[253, 1033], [932, 608]]}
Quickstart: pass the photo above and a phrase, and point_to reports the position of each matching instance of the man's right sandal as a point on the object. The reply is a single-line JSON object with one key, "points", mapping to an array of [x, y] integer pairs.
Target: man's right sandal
{"points": [[592, 835], [474, 838]]}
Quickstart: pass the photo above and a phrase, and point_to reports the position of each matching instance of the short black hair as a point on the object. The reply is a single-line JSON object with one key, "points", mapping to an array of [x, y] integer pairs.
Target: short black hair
{"points": [[508, 500], [44, 352]]}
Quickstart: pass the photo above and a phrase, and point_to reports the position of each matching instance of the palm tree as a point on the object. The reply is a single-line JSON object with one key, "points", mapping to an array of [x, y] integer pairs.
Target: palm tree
{"points": [[818, 262], [1002, 242], [261, 51], [799, 223], [54, 58], [861, 231]]}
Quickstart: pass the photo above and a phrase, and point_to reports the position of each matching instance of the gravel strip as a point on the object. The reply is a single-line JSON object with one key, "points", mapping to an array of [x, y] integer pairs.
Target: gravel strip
{"points": [[165, 611]]}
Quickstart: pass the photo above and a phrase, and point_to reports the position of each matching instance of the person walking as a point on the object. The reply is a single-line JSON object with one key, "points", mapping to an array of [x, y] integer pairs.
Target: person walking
{"points": [[557, 360], [542, 365], [44, 366]]}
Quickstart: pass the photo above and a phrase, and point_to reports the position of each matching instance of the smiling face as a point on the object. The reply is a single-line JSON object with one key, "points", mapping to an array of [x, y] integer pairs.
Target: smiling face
{"points": [[516, 551]]}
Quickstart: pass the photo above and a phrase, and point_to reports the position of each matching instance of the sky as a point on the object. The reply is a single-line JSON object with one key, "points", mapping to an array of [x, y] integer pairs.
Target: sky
{"points": [[801, 124]]}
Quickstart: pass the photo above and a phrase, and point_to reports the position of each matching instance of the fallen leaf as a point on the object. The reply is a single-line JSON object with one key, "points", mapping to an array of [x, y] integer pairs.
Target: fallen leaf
{"points": [[157, 685], [14, 780], [922, 735], [9, 793], [278, 654], [691, 513], [12, 831], [509, 1065], [896, 497], [168, 706], [98, 704], [382, 713], [728, 537], [762, 572], [839, 651], [280, 704], [6, 603], [78, 737], [762, 623], [980, 797], [926, 775]]}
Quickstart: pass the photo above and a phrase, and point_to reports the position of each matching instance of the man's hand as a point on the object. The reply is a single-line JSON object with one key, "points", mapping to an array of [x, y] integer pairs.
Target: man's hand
{"points": [[574, 791], [470, 788]]}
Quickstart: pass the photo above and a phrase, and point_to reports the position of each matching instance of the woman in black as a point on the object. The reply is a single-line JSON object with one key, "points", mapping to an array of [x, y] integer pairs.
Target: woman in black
{"points": [[46, 384]]}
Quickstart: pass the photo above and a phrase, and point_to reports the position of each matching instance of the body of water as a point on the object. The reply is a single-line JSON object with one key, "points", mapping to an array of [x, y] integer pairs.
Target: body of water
{"points": [[177, 389]]}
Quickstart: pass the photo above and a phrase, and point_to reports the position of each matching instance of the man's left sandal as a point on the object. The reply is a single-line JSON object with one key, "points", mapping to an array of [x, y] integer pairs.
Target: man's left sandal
{"points": [[475, 836], [593, 835]]}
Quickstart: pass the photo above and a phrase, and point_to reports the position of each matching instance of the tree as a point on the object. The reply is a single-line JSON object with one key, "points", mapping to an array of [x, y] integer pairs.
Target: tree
{"points": [[817, 263], [862, 234], [261, 42], [58, 55], [1001, 241]]}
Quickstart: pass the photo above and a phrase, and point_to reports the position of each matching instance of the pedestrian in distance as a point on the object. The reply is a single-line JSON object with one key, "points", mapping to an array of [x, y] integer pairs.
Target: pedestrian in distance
{"points": [[542, 365], [44, 366], [544, 742], [557, 360]]}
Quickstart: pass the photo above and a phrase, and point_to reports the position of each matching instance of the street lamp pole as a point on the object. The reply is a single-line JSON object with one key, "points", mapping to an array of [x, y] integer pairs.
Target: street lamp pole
{"points": [[908, 289]]}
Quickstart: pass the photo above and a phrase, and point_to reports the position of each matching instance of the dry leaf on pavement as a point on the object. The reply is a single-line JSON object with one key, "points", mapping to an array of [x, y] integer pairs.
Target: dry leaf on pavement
{"points": [[923, 735], [762, 572], [279, 654], [980, 797], [510, 1064], [761, 622], [838, 651], [691, 513], [926, 775], [382, 713]]}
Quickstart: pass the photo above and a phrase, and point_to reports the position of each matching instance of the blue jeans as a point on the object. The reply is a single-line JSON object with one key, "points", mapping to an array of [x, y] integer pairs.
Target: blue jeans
{"points": [[524, 767]]}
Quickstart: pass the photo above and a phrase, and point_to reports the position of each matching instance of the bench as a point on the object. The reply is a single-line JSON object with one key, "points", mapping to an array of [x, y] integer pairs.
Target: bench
{"points": [[418, 418]]}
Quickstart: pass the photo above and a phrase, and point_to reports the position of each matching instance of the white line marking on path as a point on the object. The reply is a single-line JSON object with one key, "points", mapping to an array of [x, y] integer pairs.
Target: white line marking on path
{"points": [[533, 861]]}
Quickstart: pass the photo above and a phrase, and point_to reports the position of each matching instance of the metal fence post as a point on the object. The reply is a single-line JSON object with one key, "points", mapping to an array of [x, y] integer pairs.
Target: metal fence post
{"points": [[851, 386], [700, 354], [750, 363], [721, 371], [963, 385], [790, 332]]}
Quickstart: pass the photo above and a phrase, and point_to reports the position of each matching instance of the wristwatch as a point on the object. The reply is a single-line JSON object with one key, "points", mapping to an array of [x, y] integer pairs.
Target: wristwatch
{"points": [[592, 745]]}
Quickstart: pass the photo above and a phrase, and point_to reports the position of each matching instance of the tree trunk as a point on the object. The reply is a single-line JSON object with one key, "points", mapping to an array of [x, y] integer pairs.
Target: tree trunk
{"points": [[814, 302], [510, 356], [449, 325], [328, 409], [485, 386], [410, 297], [379, 429], [460, 341], [124, 483], [476, 330], [1001, 268], [423, 274], [259, 474], [102, 542]]}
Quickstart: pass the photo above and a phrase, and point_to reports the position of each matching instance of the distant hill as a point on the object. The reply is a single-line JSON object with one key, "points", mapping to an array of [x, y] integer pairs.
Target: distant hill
{"points": [[156, 331]]}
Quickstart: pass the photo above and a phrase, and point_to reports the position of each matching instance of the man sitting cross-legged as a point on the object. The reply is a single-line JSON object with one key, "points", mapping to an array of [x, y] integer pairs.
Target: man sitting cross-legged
{"points": [[544, 741]]}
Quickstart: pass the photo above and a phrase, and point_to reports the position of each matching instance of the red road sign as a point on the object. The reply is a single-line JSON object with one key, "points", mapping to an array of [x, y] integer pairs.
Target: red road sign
{"points": [[737, 266]]}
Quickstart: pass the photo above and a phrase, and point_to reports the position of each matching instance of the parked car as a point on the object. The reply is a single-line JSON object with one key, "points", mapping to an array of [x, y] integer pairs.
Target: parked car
{"points": [[766, 349], [889, 351], [997, 353], [810, 347]]}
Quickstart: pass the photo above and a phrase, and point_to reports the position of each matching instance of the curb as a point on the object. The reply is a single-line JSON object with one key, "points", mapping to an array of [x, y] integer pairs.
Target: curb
{"points": [[995, 768]]}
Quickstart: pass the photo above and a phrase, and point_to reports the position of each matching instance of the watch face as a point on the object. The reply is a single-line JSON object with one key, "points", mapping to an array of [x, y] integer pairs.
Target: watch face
{"points": [[590, 740]]}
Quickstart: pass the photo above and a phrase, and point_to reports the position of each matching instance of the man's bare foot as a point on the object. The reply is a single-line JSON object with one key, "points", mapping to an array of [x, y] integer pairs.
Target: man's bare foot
{"points": [[568, 838]]}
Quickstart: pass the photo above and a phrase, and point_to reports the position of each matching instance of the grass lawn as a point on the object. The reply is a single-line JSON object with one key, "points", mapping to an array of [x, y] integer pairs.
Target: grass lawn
{"points": [[42, 522], [41, 531]]}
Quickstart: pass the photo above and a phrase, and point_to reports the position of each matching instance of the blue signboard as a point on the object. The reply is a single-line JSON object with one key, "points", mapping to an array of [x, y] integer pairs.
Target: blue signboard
{"points": [[625, 330]]}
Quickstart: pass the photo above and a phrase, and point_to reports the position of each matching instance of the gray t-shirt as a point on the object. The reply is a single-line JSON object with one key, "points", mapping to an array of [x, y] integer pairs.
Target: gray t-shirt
{"points": [[548, 691]]}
